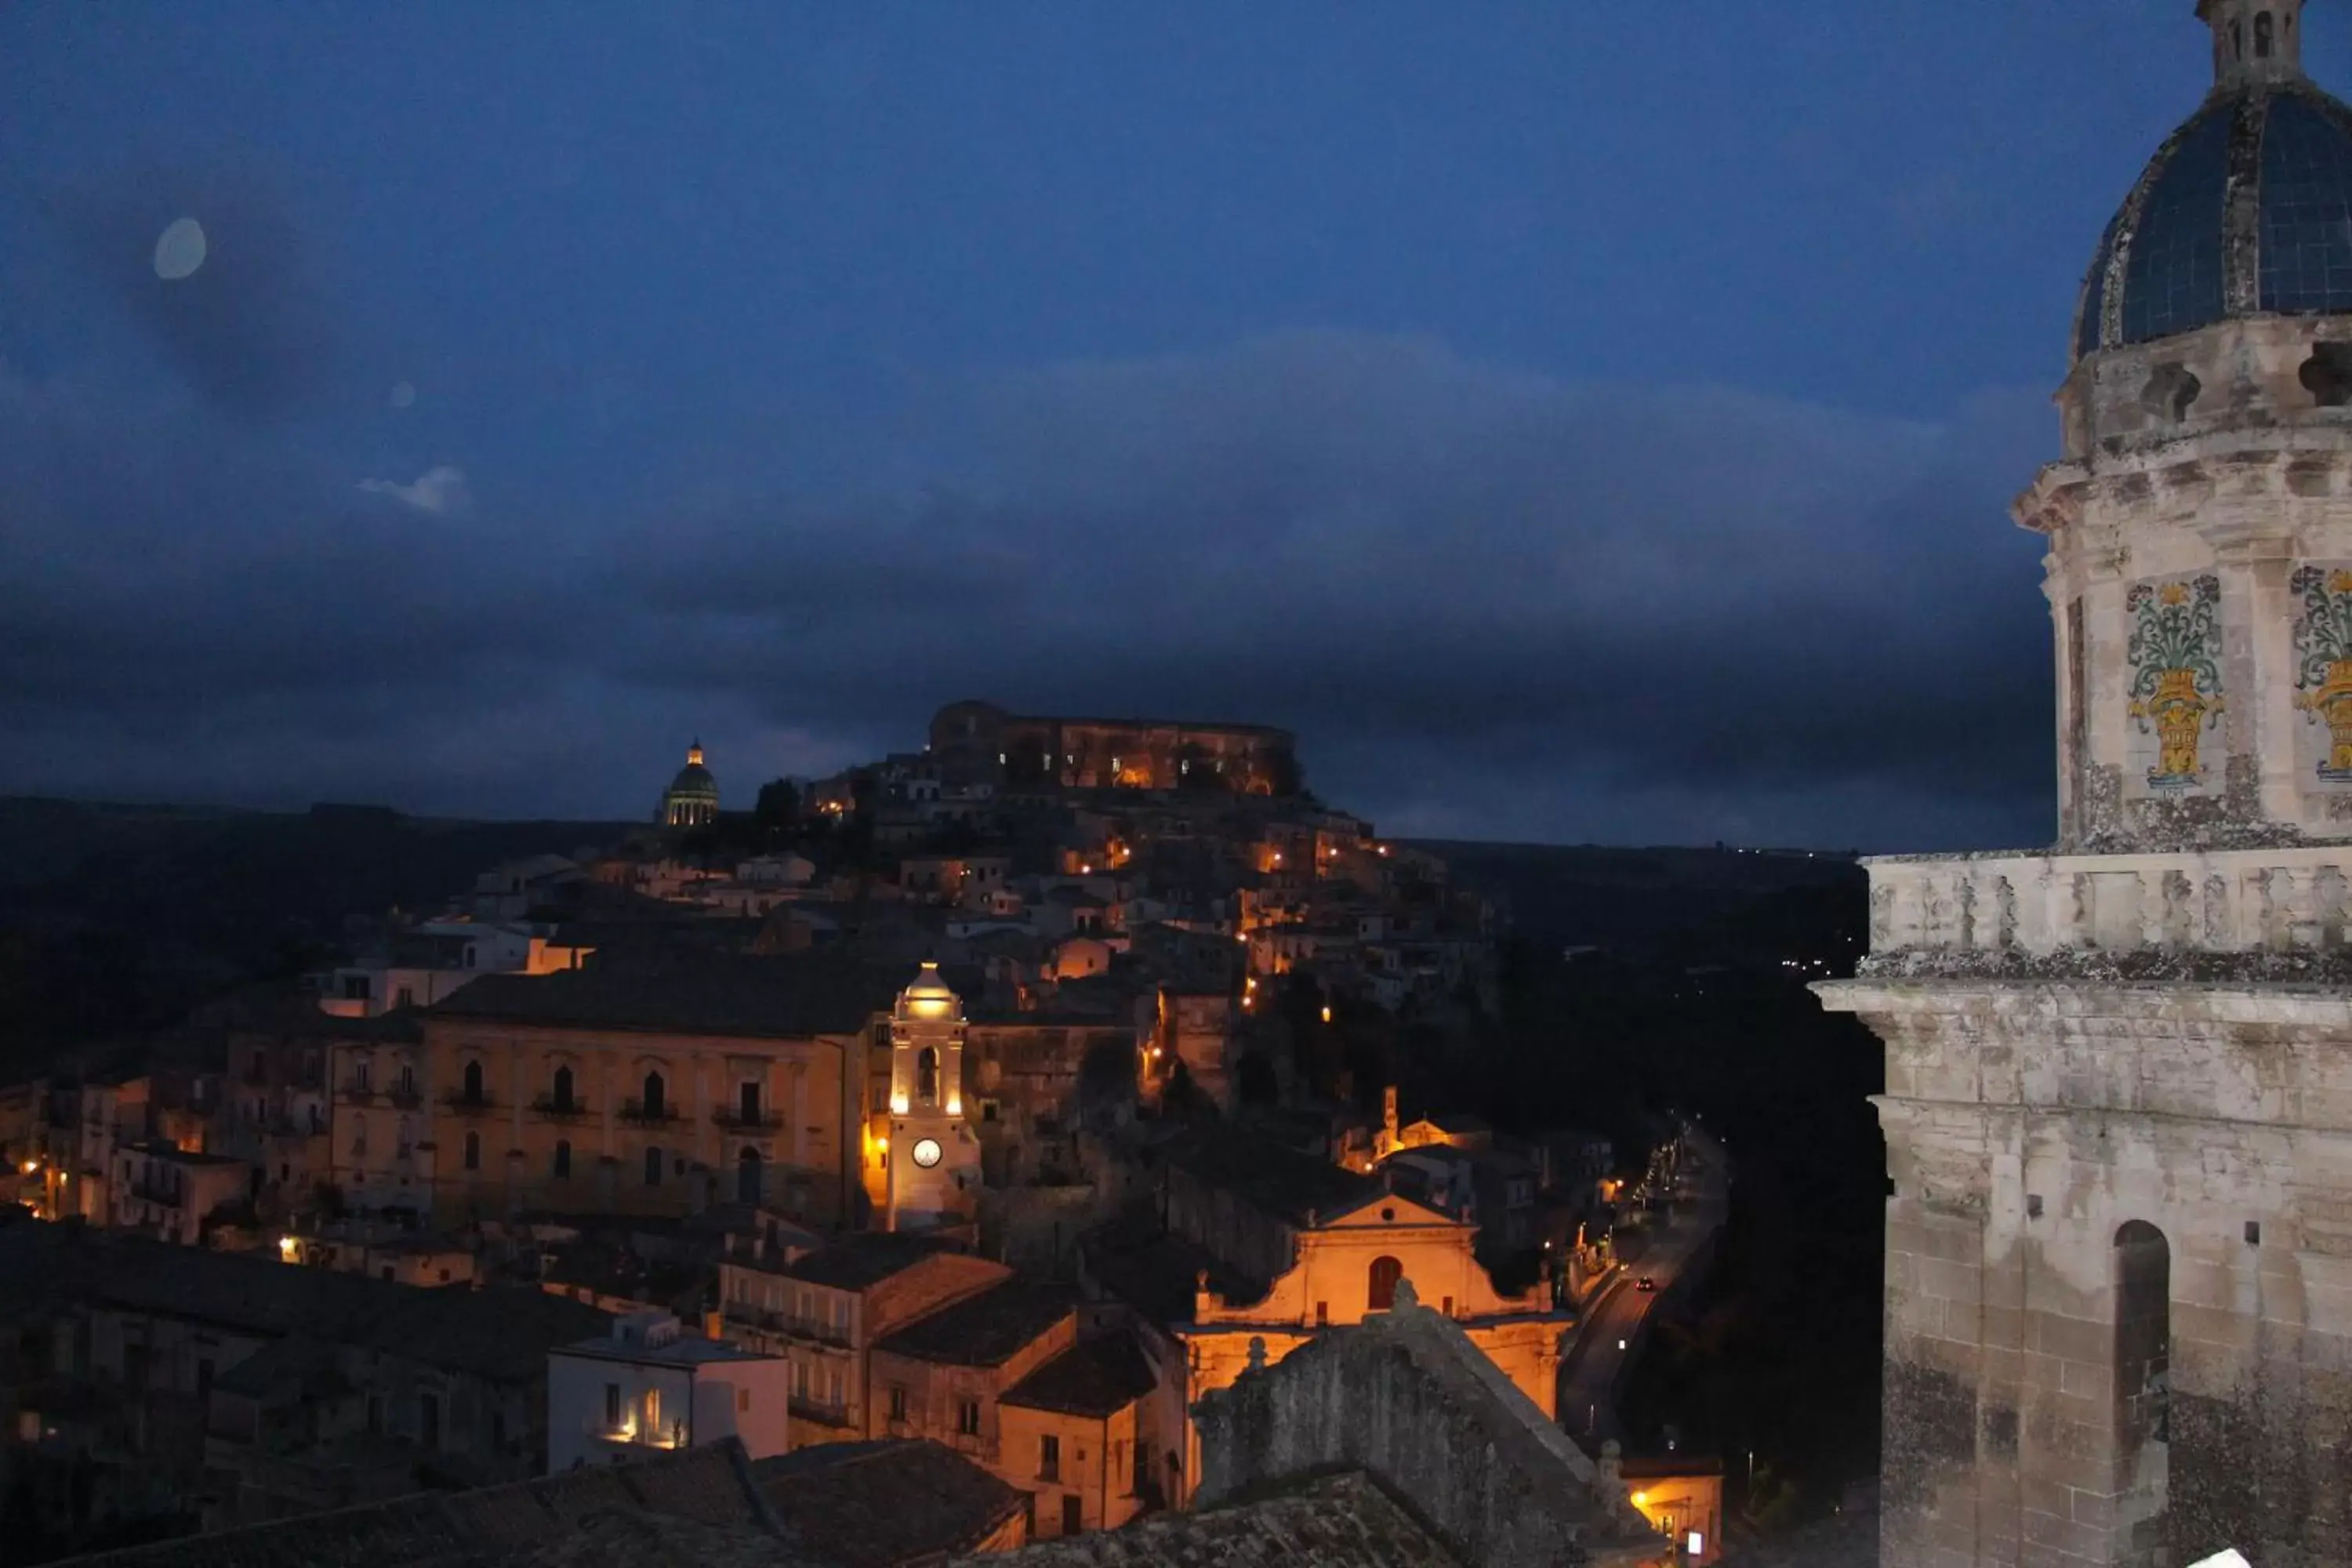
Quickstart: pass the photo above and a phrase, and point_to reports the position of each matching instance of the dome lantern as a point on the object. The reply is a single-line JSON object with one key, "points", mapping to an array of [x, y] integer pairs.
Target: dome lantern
{"points": [[2255, 40]]}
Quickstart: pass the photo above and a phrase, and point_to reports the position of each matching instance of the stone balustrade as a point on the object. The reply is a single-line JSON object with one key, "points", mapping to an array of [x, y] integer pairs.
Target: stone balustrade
{"points": [[2131, 910]]}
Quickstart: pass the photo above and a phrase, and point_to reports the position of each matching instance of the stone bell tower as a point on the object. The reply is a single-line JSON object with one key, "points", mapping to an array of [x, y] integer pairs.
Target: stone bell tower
{"points": [[932, 1169], [2118, 1106]]}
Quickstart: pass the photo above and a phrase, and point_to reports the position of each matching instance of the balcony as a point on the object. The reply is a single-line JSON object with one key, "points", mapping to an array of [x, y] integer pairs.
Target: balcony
{"points": [[732, 1118], [2250, 915], [547, 1105], [638, 1111], [817, 1410], [463, 1104]]}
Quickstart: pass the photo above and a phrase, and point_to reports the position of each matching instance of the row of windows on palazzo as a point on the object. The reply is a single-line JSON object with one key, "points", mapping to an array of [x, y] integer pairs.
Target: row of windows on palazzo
{"points": [[654, 1104], [748, 1167]]}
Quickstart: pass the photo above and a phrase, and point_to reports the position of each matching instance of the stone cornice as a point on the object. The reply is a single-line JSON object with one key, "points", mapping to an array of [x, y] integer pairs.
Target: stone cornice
{"points": [[2255, 463]]}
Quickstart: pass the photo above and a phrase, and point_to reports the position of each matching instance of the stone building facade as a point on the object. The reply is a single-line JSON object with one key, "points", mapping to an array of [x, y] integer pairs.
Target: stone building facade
{"points": [[609, 1090], [2118, 1111], [977, 741]]}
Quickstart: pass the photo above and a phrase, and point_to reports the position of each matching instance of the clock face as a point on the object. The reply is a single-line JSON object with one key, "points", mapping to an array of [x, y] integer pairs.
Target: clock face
{"points": [[927, 1152]]}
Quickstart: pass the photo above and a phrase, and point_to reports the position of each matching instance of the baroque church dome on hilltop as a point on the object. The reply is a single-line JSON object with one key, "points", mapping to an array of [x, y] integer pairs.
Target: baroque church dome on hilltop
{"points": [[692, 798], [2245, 210]]}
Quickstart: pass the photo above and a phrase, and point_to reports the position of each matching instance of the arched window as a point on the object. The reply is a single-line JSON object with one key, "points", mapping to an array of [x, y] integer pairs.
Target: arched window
{"points": [[2261, 35], [654, 1092], [562, 1157], [473, 1151], [747, 1176], [653, 1167], [562, 1095], [2143, 1343], [926, 1075], [473, 1083], [1386, 1272]]}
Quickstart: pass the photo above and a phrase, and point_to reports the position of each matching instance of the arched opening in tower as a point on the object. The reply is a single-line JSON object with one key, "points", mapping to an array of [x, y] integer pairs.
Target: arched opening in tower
{"points": [[2143, 1394]]}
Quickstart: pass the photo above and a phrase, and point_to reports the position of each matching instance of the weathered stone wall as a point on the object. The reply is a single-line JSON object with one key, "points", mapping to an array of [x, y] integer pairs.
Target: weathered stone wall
{"points": [[1407, 1398], [2052, 1396]]}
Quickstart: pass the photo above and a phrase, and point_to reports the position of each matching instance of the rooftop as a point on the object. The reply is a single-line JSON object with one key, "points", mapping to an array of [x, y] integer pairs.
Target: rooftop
{"points": [[854, 1262], [1338, 1522], [1094, 1377], [1281, 1181], [871, 1505], [703, 1494], [985, 1330], [504, 1335], [767, 997]]}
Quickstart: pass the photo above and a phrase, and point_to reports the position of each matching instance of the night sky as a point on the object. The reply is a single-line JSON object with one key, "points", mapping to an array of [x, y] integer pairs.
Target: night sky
{"points": [[1573, 434]]}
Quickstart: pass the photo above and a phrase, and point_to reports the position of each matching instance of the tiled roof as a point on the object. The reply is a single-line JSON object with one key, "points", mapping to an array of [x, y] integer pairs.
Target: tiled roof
{"points": [[876, 1505], [985, 1330], [1155, 1271], [766, 997], [1281, 1181], [856, 1261], [501, 1335], [1094, 1377], [703, 1496], [1342, 1521]]}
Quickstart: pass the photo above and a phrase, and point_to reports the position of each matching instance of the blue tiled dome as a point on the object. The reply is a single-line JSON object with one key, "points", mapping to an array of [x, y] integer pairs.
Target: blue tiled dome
{"points": [[2245, 210]]}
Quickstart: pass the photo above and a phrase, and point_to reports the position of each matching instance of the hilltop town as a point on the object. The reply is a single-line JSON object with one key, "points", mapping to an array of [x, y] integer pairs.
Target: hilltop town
{"points": [[950, 1129]]}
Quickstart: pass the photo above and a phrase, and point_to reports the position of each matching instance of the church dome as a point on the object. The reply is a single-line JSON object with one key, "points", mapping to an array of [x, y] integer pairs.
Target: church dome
{"points": [[931, 997], [2246, 210], [692, 798]]}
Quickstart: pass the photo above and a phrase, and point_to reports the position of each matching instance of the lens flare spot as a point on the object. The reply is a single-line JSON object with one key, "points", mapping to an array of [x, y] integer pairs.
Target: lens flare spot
{"points": [[180, 249]]}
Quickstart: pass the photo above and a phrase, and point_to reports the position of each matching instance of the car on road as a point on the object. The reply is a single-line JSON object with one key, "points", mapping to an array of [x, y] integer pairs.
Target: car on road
{"points": [[1646, 1283]]}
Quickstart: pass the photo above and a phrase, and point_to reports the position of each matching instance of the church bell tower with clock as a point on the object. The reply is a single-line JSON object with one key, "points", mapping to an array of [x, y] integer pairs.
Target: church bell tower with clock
{"points": [[933, 1161]]}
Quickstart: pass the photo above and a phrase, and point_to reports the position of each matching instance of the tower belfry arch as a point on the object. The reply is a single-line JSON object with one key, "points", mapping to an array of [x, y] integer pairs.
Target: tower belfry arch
{"points": [[2118, 1104]]}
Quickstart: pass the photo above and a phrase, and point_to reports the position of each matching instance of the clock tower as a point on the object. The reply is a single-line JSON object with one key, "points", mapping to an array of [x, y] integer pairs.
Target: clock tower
{"points": [[932, 1161]]}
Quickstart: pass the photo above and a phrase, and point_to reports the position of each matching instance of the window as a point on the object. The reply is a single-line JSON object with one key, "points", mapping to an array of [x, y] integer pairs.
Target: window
{"points": [[800, 1380], [1385, 1273], [360, 1075], [968, 1417], [742, 1401], [1073, 1513], [473, 1151], [897, 1402], [655, 1091], [355, 988], [1322, 1313], [747, 1176], [473, 1083], [927, 1075], [833, 1387], [562, 1157], [407, 997], [407, 1077], [2262, 36], [562, 1097], [359, 1136], [1049, 1459], [653, 1167], [749, 1103], [653, 1412]]}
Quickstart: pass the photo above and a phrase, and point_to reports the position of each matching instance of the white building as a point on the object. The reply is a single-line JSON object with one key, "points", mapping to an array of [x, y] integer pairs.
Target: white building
{"points": [[648, 1388]]}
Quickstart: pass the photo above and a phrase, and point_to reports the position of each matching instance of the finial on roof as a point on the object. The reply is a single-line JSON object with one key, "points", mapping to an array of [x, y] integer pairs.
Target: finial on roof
{"points": [[694, 753], [1257, 1352]]}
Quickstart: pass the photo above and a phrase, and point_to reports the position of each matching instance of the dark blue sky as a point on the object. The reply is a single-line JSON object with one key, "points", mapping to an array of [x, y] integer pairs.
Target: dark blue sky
{"points": [[1573, 434]]}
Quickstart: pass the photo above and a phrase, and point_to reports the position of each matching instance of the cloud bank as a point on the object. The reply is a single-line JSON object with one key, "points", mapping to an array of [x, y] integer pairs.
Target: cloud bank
{"points": [[1493, 604]]}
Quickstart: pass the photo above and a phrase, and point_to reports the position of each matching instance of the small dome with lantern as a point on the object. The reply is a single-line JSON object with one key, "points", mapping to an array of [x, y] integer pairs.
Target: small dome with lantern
{"points": [[692, 798], [2246, 210]]}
